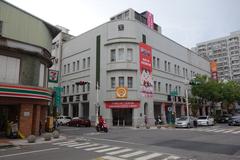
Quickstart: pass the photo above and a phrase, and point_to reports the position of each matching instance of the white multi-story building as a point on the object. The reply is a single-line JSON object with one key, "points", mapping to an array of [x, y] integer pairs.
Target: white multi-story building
{"points": [[136, 67], [226, 52]]}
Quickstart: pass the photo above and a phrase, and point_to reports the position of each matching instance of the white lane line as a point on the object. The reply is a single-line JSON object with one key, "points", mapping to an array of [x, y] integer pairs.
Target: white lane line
{"points": [[63, 142], [150, 156], [236, 132], [95, 148], [110, 140], [111, 158], [171, 158], [108, 149], [228, 131], [86, 146], [120, 151], [132, 154], [79, 144], [220, 130], [211, 130], [37, 151]]}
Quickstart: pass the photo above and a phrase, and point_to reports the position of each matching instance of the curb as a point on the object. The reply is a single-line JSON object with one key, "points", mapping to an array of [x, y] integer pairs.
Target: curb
{"points": [[4, 146]]}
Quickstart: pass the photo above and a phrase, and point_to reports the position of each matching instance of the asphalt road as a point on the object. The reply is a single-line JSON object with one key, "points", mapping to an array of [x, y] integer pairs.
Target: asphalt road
{"points": [[219, 142]]}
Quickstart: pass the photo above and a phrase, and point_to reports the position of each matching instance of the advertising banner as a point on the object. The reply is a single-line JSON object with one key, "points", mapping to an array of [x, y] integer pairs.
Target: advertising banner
{"points": [[213, 68], [145, 61], [122, 104], [150, 22]]}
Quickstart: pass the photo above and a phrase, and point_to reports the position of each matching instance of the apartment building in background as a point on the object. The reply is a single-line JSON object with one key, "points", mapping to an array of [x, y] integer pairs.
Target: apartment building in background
{"points": [[225, 51], [128, 71]]}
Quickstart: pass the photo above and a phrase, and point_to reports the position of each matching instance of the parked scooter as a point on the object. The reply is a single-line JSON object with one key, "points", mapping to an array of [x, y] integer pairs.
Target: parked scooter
{"points": [[158, 121]]}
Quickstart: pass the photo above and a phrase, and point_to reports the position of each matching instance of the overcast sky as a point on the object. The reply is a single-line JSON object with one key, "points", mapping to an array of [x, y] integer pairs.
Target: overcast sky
{"points": [[185, 21]]}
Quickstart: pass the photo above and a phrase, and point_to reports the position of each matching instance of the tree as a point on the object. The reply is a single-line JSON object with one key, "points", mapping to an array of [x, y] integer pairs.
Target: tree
{"points": [[230, 94]]}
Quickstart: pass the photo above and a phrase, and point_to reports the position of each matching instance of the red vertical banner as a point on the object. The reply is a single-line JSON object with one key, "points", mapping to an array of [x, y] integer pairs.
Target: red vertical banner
{"points": [[150, 21], [145, 61], [213, 68]]}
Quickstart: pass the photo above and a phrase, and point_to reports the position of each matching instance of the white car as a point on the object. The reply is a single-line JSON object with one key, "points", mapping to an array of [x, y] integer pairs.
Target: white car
{"points": [[62, 120], [205, 121]]}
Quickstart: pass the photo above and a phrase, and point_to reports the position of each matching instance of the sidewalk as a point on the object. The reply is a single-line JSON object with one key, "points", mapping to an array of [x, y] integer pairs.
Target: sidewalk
{"points": [[5, 143], [39, 140]]}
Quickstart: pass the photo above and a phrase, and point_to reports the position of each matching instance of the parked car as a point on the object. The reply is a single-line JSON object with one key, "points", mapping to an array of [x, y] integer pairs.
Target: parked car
{"points": [[224, 118], [184, 122], [205, 121], [62, 120], [79, 121], [234, 121]]}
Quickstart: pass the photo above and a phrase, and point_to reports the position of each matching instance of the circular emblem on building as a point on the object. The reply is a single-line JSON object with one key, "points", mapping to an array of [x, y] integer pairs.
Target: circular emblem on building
{"points": [[121, 92]]}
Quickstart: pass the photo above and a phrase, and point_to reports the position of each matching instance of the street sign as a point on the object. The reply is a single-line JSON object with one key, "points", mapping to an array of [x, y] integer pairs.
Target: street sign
{"points": [[57, 97], [173, 93]]}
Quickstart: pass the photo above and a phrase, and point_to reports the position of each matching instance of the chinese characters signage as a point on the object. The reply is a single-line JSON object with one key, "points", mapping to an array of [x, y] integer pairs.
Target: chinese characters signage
{"points": [[122, 104], [213, 67], [145, 61]]}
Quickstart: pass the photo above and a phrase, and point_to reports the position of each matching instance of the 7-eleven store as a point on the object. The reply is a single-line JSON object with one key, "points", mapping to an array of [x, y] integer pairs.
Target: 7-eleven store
{"points": [[24, 105]]}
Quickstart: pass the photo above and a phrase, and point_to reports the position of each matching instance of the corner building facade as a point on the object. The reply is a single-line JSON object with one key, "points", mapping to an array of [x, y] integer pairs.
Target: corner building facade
{"points": [[109, 56], [25, 44]]}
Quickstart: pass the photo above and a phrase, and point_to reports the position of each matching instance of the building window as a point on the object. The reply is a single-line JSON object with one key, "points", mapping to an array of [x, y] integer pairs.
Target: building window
{"points": [[73, 88], [175, 69], [121, 81], [170, 88], [77, 88], [120, 27], [83, 88], [155, 85], [169, 67], [84, 63], [154, 62], [130, 82], [179, 90], [178, 68], [159, 86], [113, 55], [186, 73], [67, 89], [166, 88], [113, 82], [183, 72], [165, 65], [68, 69], [129, 54], [88, 62], [120, 54], [144, 38], [64, 90], [88, 86], [64, 69], [1, 24], [78, 65], [73, 66], [41, 75], [158, 63]]}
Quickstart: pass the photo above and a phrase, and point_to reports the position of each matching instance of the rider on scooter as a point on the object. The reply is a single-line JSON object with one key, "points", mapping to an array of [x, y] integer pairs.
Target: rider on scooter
{"points": [[101, 121]]}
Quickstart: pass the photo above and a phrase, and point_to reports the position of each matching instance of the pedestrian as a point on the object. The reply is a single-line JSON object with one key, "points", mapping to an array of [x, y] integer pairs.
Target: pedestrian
{"points": [[40, 128]]}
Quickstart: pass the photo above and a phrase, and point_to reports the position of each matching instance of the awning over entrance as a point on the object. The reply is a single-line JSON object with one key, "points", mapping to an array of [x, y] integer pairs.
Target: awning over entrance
{"points": [[122, 104]]}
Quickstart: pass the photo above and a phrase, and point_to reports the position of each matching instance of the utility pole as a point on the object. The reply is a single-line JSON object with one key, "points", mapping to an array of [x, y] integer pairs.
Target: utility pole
{"points": [[187, 102]]}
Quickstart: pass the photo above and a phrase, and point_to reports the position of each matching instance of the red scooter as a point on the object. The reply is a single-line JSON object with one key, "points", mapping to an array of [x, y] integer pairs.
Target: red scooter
{"points": [[102, 127]]}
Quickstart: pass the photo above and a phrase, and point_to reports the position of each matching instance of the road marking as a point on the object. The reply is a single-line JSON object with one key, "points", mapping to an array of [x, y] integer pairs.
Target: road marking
{"points": [[66, 144], [108, 149], [211, 130], [150, 156], [94, 148], [236, 132], [78, 144], [132, 154], [111, 158], [37, 151], [171, 158], [90, 145], [120, 151], [228, 131], [63, 142], [219, 130], [110, 140]]}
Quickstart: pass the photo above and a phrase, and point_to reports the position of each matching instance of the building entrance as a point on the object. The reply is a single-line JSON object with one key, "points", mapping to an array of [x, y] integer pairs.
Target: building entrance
{"points": [[122, 116], [8, 115]]}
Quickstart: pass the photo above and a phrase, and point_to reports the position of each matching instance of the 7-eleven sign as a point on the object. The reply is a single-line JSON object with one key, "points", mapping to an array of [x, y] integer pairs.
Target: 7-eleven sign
{"points": [[53, 76]]}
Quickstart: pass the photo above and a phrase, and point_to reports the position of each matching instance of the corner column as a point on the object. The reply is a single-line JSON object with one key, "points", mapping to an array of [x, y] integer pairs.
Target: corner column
{"points": [[26, 119]]}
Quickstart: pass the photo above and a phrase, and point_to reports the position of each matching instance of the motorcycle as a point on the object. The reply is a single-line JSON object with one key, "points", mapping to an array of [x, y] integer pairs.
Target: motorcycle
{"points": [[103, 127], [158, 121]]}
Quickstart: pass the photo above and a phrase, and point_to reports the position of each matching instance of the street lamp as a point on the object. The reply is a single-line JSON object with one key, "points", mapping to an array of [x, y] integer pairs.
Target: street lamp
{"points": [[186, 92]]}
